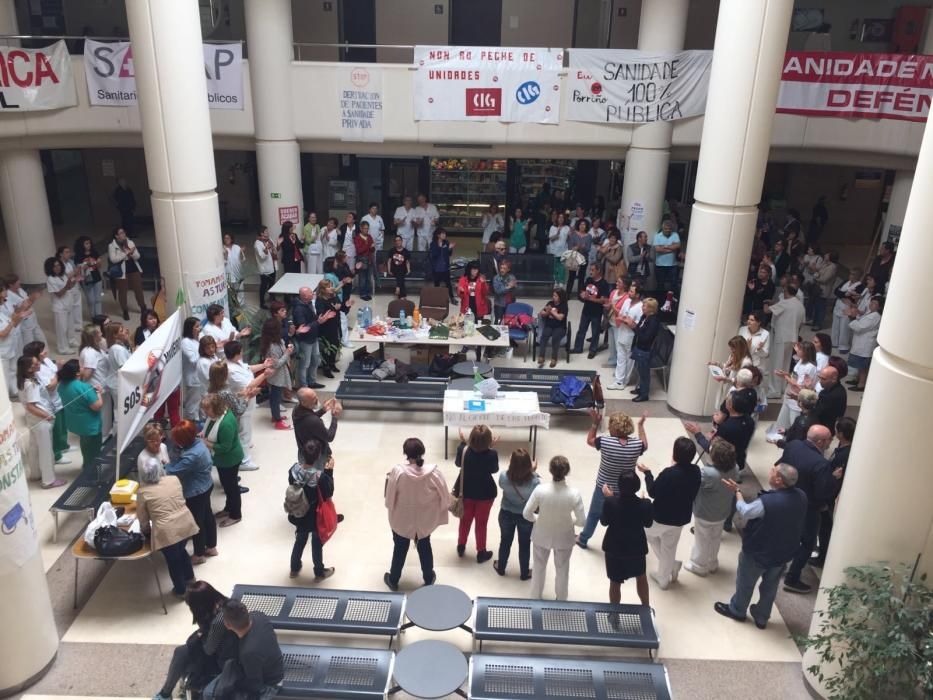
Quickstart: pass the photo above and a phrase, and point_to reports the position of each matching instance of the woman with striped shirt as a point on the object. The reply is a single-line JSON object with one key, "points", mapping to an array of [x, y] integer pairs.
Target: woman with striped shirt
{"points": [[618, 454]]}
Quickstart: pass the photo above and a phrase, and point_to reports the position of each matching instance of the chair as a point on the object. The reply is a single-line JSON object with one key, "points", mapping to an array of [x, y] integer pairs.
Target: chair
{"points": [[568, 339], [434, 302], [661, 352], [397, 305], [520, 335]]}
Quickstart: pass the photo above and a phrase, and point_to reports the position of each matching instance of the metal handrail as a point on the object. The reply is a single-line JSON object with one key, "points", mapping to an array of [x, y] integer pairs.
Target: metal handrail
{"points": [[71, 37]]}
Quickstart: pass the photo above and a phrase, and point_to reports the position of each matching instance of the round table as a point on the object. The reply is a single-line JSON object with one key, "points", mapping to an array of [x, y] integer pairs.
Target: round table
{"points": [[430, 669], [465, 369], [438, 608]]}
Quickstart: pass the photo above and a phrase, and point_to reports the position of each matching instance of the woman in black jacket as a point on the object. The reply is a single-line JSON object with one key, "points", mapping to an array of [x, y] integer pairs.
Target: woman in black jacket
{"points": [[329, 331], [478, 462], [626, 516], [292, 256], [316, 483], [645, 332]]}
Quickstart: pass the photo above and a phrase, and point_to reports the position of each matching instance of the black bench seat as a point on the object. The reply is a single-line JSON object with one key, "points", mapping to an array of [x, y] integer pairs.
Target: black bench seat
{"points": [[429, 393], [335, 672]]}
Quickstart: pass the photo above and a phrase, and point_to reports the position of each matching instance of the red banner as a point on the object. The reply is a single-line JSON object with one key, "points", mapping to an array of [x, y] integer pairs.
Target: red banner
{"points": [[860, 85]]}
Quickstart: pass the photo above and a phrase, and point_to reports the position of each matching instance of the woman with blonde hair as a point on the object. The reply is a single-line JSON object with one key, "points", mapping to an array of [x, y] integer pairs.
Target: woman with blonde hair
{"points": [[153, 447], [96, 371], [618, 454], [517, 485], [478, 462], [739, 358], [555, 509], [118, 351], [646, 330]]}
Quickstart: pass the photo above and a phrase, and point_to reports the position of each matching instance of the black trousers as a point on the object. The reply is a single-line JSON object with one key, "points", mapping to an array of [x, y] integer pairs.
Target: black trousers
{"points": [[265, 284], [400, 553], [443, 277], [228, 480], [811, 528], [317, 551], [200, 507], [400, 285]]}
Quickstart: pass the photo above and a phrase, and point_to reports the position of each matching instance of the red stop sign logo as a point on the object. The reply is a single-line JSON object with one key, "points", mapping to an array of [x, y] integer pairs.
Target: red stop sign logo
{"points": [[596, 88]]}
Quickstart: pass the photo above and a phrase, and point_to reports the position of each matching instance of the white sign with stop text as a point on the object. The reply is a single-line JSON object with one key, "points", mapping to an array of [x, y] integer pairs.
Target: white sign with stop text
{"points": [[111, 77], [359, 99]]}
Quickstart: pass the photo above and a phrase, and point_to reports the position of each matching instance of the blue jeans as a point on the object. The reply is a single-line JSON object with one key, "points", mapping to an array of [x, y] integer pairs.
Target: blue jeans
{"points": [[746, 576], [596, 322], [508, 523], [643, 366], [317, 551], [308, 362], [400, 553], [365, 282], [179, 565], [92, 297], [275, 402], [592, 515], [666, 277]]}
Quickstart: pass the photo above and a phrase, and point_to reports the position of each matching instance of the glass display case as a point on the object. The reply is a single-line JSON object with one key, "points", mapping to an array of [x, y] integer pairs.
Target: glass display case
{"points": [[463, 188], [532, 174]]}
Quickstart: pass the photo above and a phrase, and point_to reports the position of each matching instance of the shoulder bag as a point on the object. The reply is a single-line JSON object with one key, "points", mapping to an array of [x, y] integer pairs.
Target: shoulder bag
{"points": [[326, 517], [456, 502]]}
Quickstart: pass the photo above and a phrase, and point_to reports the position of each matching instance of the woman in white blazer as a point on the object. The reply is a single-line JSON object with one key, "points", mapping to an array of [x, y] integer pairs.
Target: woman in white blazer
{"points": [[559, 511]]}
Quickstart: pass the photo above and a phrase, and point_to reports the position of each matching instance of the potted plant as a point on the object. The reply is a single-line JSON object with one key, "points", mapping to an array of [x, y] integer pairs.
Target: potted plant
{"points": [[877, 629]]}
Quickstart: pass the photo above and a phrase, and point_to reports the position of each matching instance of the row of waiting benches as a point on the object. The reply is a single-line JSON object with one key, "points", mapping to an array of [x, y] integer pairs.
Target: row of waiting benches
{"points": [[337, 672]]}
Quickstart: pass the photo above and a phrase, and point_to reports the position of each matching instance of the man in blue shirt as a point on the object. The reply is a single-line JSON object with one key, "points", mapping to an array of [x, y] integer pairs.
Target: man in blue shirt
{"points": [[666, 245], [774, 523]]}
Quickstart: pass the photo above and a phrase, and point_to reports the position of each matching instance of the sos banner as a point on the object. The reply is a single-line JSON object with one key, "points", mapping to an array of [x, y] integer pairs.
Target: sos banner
{"points": [[868, 85], [147, 378], [33, 80], [111, 80], [18, 534], [473, 83], [636, 87]]}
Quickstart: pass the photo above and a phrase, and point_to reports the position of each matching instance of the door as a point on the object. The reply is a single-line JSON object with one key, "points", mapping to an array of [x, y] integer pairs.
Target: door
{"points": [[370, 179], [403, 178], [592, 24], [358, 26], [475, 22]]}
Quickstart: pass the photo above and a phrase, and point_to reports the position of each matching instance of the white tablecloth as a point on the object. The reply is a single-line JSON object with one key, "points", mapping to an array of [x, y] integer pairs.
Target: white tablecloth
{"points": [[515, 409], [291, 282]]}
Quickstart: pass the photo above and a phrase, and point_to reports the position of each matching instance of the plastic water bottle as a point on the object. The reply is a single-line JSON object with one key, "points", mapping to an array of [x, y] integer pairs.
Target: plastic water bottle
{"points": [[469, 323], [359, 318], [401, 318], [367, 316]]}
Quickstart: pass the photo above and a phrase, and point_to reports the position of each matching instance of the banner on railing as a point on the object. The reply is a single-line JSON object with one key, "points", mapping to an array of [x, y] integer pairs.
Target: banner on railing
{"points": [[360, 101], [473, 83], [618, 86], [33, 80], [111, 79], [866, 85]]}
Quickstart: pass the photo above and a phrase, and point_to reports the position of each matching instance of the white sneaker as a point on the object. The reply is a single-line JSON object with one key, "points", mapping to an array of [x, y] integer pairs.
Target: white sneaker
{"points": [[654, 577], [676, 571], [694, 569], [615, 386], [347, 344], [249, 467], [62, 461]]}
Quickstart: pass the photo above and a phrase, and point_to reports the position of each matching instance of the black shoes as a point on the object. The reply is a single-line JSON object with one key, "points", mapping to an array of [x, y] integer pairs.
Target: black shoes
{"points": [[461, 548], [526, 577], [724, 610], [388, 582], [315, 385], [753, 610], [499, 570], [590, 355], [483, 556], [797, 586], [433, 579], [327, 373]]}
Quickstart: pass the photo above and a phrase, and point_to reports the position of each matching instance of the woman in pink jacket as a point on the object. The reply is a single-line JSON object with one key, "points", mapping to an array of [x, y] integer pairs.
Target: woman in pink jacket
{"points": [[416, 498]]}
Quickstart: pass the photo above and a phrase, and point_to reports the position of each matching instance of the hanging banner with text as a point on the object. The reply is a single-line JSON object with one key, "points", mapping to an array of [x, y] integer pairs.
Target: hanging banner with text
{"points": [[471, 83], [205, 288], [147, 378], [636, 87], [867, 85], [18, 535], [111, 79], [32, 80], [359, 99]]}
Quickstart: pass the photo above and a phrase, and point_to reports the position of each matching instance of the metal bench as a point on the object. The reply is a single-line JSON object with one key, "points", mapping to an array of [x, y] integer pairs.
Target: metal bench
{"points": [[540, 377], [565, 622], [506, 677], [355, 371], [335, 672], [326, 609], [530, 269], [420, 270], [430, 394]]}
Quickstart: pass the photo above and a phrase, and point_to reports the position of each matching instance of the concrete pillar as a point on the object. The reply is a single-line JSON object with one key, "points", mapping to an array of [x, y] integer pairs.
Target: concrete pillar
{"points": [[899, 388], [166, 37], [26, 216], [23, 199], [897, 206], [662, 27], [28, 636], [278, 160], [747, 59]]}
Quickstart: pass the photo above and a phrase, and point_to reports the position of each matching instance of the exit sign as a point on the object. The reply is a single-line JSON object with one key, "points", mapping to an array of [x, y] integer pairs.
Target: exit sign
{"points": [[276, 195]]}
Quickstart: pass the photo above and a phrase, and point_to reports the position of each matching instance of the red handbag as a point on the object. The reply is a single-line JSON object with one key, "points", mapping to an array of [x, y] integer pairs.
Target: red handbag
{"points": [[326, 517]]}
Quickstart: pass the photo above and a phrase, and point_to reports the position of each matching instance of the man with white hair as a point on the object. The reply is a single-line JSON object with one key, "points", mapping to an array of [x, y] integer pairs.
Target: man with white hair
{"points": [[307, 325], [773, 524]]}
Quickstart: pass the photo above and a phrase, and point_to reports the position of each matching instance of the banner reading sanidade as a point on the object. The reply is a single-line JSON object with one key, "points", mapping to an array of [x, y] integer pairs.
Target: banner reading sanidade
{"points": [[111, 78], [36, 79], [637, 87], [147, 378]]}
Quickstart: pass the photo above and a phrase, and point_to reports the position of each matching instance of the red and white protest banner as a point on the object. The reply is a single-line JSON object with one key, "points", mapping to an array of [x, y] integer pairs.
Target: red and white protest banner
{"points": [[36, 79], [476, 83], [860, 85]]}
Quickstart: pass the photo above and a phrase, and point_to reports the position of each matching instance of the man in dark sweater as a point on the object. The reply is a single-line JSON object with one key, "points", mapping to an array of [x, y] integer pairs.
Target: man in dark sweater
{"points": [[673, 493], [839, 460], [308, 424], [258, 670], [594, 295], [814, 478], [773, 524], [307, 325], [831, 403]]}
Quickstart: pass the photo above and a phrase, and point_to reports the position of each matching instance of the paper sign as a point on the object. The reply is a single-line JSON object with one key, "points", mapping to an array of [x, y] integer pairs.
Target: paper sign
{"points": [[690, 319], [359, 99]]}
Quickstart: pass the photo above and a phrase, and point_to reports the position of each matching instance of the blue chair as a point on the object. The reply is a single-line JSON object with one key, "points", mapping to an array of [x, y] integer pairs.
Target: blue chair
{"points": [[520, 335]]}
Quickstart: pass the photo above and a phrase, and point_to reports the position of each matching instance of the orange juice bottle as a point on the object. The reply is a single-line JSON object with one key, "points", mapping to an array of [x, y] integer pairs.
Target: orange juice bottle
{"points": [[416, 317]]}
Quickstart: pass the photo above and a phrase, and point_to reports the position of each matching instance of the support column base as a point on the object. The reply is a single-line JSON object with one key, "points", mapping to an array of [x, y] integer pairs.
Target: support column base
{"points": [[32, 680]]}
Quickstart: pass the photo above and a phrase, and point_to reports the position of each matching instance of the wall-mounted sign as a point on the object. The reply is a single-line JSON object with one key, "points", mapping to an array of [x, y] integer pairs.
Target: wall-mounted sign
{"points": [[359, 99], [288, 214]]}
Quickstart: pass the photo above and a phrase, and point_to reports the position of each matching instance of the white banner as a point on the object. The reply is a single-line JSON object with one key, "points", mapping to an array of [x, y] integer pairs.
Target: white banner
{"points": [[636, 87], [473, 83], [147, 378], [205, 288], [32, 80], [359, 97], [18, 536], [111, 78]]}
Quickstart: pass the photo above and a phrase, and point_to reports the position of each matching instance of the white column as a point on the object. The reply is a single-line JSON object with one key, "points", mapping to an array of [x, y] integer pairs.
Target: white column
{"points": [[26, 216], [278, 160], [662, 27], [172, 89], [897, 206], [747, 58], [28, 636], [23, 199], [900, 386]]}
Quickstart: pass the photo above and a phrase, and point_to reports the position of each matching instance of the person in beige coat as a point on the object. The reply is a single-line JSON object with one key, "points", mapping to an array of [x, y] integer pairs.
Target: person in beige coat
{"points": [[162, 513], [416, 497]]}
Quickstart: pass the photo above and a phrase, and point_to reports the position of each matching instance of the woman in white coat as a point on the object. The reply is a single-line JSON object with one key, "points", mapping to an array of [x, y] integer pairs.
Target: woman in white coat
{"points": [[847, 296], [559, 511]]}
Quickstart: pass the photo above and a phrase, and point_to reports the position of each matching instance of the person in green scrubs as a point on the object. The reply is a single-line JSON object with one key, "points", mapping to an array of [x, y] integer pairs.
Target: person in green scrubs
{"points": [[82, 404]]}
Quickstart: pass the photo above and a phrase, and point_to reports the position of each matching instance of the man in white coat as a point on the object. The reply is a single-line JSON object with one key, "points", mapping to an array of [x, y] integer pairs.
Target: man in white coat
{"points": [[405, 222], [426, 216], [787, 316]]}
